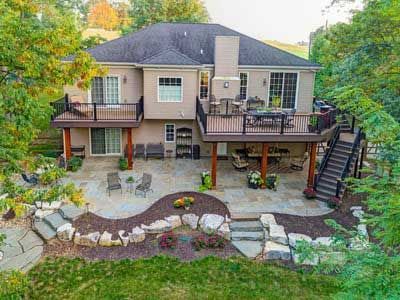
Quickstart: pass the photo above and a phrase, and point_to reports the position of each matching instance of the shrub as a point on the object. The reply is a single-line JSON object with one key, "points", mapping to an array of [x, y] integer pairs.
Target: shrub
{"points": [[51, 175], [74, 163], [212, 241], [272, 182], [13, 285], [168, 241], [199, 242], [206, 182], [123, 164], [184, 202], [310, 193]]}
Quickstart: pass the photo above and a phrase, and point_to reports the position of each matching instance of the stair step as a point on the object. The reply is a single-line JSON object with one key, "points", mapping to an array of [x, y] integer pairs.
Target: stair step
{"points": [[247, 235], [250, 249], [55, 220], [332, 172], [326, 186], [329, 177], [71, 212], [334, 166], [44, 230], [246, 226]]}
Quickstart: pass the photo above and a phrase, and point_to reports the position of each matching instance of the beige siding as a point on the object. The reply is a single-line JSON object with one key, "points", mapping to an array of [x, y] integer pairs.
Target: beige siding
{"points": [[258, 83], [305, 92], [226, 56], [219, 91], [80, 136], [131, 91], [162, 110]]}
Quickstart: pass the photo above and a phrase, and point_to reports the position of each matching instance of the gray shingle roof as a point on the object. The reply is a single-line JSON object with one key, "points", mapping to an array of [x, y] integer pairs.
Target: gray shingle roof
{"points": [[181, 44]]}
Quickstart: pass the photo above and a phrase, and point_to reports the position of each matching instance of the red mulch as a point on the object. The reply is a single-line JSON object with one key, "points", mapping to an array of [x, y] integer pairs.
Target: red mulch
{"points": [[315, 226]]}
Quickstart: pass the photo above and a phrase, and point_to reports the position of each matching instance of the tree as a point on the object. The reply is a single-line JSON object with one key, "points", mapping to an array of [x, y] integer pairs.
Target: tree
{"points": [[103, 15], [147, 12], [33, 40]]}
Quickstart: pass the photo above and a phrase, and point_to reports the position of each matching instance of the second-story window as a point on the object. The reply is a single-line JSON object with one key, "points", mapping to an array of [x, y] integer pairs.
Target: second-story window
{"points": [[105, 90], [244, 76], [204, 84], [170, 89], [283, 86]]}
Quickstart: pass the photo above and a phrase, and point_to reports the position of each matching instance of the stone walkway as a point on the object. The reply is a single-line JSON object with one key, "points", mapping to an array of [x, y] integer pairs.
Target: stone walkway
{"points": [[176, 175], [22, 249]]}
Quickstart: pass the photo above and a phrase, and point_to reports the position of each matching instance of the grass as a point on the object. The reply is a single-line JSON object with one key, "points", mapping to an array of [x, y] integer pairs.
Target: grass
{"points": [[298, 50], [164, 277], [107, 34]]}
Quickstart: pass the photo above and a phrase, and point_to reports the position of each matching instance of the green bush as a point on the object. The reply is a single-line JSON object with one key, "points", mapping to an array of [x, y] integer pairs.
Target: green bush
{"points": [[123, 164], [13, 285], [74, 163]]}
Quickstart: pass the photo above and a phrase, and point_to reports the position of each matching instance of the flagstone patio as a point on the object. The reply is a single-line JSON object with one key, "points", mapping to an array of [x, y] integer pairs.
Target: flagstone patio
{"points": [[176, 175]]}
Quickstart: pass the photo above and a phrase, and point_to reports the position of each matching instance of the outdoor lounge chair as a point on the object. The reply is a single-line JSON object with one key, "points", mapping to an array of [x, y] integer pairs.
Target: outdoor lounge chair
{"points": [[238, 163], [31, 180], [140, 151], [145, 184], [298, 164], [155, 151], [113, 182]]}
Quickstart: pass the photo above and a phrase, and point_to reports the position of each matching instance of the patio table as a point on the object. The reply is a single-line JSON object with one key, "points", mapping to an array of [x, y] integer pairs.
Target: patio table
{"points": [[260, 116]]}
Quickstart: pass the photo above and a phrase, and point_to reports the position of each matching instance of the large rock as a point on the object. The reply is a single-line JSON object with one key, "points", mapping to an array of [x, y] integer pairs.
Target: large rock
{"points": [[51, 205], [137, 235], [325, 241], [277, 234], [358, 213], [294, 237], [190, 220], [159, 226], [267, 220], [89, 240], [65, 232], [175, 221], [124, 237], [40, 213], [224, 231], [313, 261], [274, 250], [362, 230], [210, 223], [107, 241]]}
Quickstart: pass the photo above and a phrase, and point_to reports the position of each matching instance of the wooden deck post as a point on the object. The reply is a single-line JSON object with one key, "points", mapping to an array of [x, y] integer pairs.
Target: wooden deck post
{"points": [[311, 168], [214, 165], [264, 163], [129, 148], [67, 143]]}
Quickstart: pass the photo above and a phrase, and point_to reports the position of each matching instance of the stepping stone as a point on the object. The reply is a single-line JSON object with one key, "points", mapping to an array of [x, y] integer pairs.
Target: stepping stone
{"points": [[249, 249], [71, 212], [55, 220], [247, 235], [24, 261], [246, 226], [30, 240], [44, 230]]}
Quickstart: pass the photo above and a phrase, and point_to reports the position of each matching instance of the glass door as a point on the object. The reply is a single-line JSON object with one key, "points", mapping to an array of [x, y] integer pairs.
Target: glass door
{"points": [[113, 140], [105, 141]]}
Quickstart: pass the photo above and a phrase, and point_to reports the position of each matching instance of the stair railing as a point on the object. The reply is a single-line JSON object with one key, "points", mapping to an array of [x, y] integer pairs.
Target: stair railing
{"points": [[324, 161]]}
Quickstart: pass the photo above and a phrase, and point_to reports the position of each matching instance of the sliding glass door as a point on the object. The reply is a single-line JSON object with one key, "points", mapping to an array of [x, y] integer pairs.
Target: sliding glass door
{"points": [[105, 141]]}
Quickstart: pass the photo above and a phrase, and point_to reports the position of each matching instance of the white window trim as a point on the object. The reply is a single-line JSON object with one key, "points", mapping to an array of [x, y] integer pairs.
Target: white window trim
{"points": [[105, 89], [208, 84], [247, 84], [165, 133], [106, 154], [297, 87], [158, 89]]}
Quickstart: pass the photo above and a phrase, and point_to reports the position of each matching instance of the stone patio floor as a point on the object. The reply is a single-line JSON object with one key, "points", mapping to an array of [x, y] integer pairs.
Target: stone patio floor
{"points": [[177, 175]]}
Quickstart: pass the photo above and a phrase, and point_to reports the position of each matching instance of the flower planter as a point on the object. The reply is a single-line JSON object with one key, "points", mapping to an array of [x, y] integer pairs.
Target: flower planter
{"points": [[252, 185]]}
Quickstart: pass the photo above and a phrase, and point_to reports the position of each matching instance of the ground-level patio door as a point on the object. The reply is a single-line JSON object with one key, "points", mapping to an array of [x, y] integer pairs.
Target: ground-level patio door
{"points": [[105, 141]]}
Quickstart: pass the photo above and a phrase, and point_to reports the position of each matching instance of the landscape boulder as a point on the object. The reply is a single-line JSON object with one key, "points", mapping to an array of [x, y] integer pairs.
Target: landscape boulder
{"points": [[159, 226], [294, 237], [322, 241], [190, 220], [274, 250], [175, 221], [137, 235], [40, 213], [277, 234], [65, 232], [124, 237], [51, 205], [107, 241], [224, 231], [89, 240], [210, 223], [267, 220]]}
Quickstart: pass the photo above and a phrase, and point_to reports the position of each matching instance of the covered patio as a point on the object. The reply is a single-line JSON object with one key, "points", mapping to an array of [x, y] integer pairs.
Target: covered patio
{"points": [[172, 175]]}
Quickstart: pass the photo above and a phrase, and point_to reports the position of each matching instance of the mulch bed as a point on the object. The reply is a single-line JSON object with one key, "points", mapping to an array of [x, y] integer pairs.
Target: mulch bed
{"points": [[315, 226]]}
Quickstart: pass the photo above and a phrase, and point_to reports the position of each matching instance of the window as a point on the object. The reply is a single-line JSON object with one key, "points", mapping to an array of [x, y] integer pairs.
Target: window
{"points": [[284, 86], [170, 89], [204, 84], [243, 85], [169, 133], [105, 141], [105, 90]]}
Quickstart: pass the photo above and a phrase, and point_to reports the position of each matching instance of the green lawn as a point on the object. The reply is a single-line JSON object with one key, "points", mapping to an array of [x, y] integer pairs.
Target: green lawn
{"points": [[298, 50], [167, 278]]}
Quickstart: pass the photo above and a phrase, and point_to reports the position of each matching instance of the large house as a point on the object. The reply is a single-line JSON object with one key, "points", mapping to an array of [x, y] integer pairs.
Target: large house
{"points": [[196, 89]]}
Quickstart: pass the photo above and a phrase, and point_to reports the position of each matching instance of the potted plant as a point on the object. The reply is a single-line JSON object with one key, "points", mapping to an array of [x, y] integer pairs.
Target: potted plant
{"points": [[123, 164], [334, 202], [272, 181], [276, 103], [310, 193], [204, 174], [313, 123], [254, 180]]}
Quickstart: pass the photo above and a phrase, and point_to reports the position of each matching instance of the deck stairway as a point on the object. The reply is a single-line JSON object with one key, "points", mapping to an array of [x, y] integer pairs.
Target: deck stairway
{"points": [[337, 164]]}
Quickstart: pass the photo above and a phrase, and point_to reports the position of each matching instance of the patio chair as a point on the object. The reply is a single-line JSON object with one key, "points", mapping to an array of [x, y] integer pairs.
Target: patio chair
{"points": [[30, 180], [113, 182], [139, 151], [239, 164], [215, 106], [237, 105], [298, 164], [145, 184], [155, 151], [289, 118]]}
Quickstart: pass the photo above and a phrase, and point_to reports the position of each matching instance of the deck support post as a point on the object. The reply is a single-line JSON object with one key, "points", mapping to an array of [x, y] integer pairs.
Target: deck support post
{"points": [[214, 150], [264, 163], [129, 148], [311, 168], [67, 143]]}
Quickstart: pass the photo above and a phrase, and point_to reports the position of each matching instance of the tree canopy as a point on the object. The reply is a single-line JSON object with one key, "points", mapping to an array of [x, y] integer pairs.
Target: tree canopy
{"points": [[103, 15]]}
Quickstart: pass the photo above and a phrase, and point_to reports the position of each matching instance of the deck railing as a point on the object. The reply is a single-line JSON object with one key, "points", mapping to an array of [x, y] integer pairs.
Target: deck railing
{"points": [[247, 123], [63, 110]]}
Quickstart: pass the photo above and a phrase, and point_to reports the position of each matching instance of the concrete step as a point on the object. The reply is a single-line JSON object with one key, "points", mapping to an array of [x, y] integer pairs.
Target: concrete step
{"points": [[247, 235], [246, 226], [71, 212], [250, 249], [245, 216], [55, 220], [44, 230]]}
